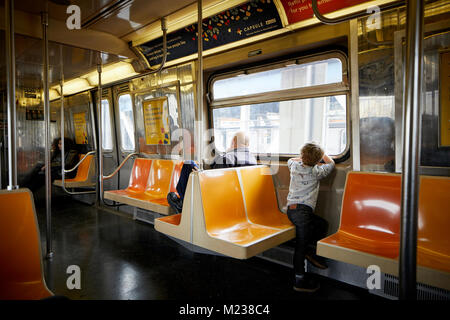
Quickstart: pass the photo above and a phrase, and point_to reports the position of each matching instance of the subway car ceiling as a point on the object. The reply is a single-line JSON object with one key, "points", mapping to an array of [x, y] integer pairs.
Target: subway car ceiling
{"points": [[116, 27]]}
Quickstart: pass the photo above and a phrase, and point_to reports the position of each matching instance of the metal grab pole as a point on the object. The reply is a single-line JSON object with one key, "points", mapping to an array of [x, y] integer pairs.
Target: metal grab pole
{"points": [[48, 180], [200, 85], [100, 129], [11, 98], [411, 148], [61, 84]]}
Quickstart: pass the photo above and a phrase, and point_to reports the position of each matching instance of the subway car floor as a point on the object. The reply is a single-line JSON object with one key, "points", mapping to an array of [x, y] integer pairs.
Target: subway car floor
{"points": [[123, 259]]}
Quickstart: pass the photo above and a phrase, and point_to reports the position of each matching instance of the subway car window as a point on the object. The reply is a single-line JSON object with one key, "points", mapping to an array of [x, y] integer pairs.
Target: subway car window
{"points": [[290, 76], [107, 142], [126, 122], [277, 123], [277, 127]]}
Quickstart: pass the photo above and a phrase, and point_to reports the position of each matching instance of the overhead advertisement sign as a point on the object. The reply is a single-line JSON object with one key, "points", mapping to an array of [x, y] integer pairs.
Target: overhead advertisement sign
{"points": [[241, 22], [156, 121], [299, 10]]}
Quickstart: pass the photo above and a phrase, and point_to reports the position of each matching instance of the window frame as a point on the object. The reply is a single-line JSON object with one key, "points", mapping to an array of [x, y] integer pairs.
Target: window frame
{"points": [[122, 149], [317, 91]]}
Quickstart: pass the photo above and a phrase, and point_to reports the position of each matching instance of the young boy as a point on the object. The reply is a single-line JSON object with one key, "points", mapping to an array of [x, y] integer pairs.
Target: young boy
{"points": [[306, 171]]}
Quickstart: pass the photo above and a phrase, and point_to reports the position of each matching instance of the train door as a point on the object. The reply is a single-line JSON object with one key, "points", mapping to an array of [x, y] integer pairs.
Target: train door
{"points": [[109, 141], [125, 130], [80, 112], [79, 117]]}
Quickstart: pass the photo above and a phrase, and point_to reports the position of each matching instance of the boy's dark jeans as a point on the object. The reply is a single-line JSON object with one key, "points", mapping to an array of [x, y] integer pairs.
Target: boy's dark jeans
{"points": [[309, 229]]}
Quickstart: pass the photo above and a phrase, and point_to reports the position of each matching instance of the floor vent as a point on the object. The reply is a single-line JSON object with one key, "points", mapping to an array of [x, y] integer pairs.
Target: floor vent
{"points": [[424, 292]]}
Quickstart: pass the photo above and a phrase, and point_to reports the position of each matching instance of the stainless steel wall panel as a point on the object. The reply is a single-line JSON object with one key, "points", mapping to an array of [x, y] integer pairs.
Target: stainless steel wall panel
{"points": [[176, 84], [376, 94], [432, 154]]}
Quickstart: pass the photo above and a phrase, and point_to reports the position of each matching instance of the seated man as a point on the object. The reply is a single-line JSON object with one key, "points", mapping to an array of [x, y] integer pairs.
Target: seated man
{"points": [[237, 155]]}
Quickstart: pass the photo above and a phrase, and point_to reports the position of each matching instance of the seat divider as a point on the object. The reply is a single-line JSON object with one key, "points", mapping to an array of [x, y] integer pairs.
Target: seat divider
{"points": [[149, 173], [238, 171]]}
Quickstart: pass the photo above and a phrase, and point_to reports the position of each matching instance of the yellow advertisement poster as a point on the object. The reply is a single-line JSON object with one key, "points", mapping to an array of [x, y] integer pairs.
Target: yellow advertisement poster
{"points": [[79, 123], [156, 121], [445, 99]]}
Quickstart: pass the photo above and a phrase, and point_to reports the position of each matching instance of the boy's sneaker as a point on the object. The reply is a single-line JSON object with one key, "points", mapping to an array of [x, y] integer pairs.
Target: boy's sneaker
{"points": [[304, 283], [316, 261], [175, 202]]}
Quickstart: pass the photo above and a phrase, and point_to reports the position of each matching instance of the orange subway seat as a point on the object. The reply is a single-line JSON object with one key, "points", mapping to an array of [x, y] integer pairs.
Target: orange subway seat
{"points": [[159, 180], [82, 170], [21, 273], [224, 210], [370, 226], [174, 219], [215, 216], [139, 175], [261, 200], [370, 219], [85, 176], [433, 239], [149, 185]]}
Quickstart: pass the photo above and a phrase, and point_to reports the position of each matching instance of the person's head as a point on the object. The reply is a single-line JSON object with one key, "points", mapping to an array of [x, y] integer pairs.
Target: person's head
{"points": [[311, 153], [240, 140], [56, 144]]}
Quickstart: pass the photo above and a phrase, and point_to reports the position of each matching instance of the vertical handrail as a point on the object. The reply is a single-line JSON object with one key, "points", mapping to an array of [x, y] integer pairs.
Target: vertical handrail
{"points": [[11, 98], [200, 84], [100, 129], [411, 148], [354, 83], [94, 134], [61, 85], [48, 181]]}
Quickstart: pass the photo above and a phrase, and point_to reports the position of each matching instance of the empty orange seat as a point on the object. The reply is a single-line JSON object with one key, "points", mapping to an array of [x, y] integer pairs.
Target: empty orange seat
{"points": [[369, 232], [21, 274], [224, 210], [149, 185], [261, 199], [159, 181], [433, 239], [85, 176], [139, 175], [138, 179], [370, 219], [218, 217], [174, 219]]}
